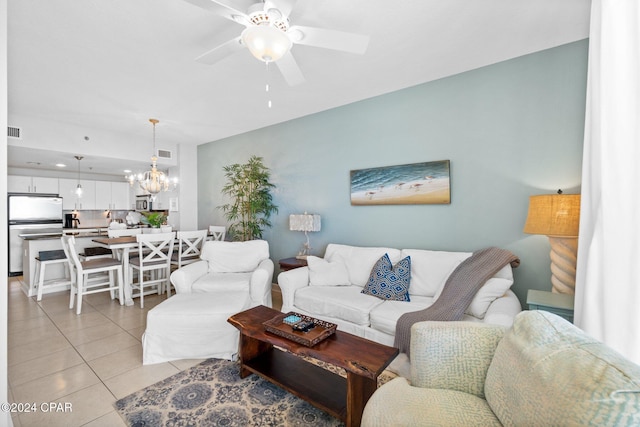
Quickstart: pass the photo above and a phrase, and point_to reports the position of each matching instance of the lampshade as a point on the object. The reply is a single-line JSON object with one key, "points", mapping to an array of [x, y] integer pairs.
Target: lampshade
{"points": [[553, 215], [304, 222], [265, 42]]}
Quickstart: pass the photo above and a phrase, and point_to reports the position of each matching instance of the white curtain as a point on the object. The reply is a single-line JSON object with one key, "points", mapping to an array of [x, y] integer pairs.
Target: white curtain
{"points": [[607, 300]]}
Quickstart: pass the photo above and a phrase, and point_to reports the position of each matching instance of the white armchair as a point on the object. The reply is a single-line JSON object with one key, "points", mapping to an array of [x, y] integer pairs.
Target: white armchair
{"points": [[229, 266], [229, 278]]}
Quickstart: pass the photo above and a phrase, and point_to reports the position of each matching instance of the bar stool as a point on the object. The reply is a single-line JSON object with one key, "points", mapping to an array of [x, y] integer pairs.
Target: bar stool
{"points": [[45, 258]]}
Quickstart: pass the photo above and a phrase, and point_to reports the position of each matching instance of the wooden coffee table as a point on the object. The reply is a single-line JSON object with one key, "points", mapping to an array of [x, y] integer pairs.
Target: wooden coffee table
{"points": [[343, 398]]}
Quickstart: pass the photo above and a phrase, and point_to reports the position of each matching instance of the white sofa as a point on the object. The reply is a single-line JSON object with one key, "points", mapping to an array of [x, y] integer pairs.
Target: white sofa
{"points": [[237, 266], [322, 290]]}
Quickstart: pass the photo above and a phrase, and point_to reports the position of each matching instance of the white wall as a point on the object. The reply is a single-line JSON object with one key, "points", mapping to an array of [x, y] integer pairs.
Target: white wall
{"points": [[188, 199], [5, 417], [510, 130]]}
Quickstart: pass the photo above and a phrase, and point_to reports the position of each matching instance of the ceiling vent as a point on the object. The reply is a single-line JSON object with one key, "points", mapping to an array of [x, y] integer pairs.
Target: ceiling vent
{"points": [[164, 154], [14, 132]]}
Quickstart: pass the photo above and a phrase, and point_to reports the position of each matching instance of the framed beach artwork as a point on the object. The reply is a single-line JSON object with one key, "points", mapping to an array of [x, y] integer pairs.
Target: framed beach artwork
{"points": [[411, 184]]}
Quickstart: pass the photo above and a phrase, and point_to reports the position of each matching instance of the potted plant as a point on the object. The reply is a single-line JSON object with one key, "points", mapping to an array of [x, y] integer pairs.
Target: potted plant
{"points": [[153, 219], [252, 204]]}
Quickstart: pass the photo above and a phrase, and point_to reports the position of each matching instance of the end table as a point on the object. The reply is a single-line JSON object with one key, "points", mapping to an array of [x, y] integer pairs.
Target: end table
{"points": [[287, 264], [560, 304]]}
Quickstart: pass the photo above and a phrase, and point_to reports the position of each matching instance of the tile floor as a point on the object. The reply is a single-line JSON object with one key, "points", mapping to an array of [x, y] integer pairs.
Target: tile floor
{"points": [[88, 361]]}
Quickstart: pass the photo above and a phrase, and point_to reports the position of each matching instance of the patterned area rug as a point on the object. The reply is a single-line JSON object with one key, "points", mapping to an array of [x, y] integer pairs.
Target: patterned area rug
{"points": [[213, 394]]}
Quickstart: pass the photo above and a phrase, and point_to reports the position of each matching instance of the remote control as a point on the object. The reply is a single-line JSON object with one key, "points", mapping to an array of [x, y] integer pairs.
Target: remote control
{"points": [[304, 326]]}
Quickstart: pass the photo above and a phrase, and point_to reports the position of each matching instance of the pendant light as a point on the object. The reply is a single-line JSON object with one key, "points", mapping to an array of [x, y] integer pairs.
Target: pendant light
{"points": [[79, 187], [154, 181]]}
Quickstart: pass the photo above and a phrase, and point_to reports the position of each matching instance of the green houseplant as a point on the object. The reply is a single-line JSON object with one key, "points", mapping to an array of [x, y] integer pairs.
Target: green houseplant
{"points": [[252, 203], [154, 219]]}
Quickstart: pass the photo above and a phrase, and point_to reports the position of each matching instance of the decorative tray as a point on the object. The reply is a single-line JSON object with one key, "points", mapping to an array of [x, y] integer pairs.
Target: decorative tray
{"points": [[283, 325]]}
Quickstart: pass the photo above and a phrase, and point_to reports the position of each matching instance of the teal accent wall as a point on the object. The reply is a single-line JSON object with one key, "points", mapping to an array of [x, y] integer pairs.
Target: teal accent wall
{"points": [[510, 130]]}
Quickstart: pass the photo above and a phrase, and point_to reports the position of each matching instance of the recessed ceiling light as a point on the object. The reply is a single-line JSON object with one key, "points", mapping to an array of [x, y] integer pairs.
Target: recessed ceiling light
{"points": [[127, 171], [61, 165]]}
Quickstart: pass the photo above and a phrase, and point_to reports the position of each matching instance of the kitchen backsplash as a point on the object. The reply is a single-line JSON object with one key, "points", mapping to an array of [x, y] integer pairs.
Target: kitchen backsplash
{"points": [[98, 218]]}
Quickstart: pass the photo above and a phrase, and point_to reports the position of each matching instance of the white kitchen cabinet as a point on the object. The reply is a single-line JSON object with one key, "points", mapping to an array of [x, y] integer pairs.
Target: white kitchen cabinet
{"points": [[112, 195], [88, 199], [68, 193], [120, 196], [103, 195], [32, 184], [70, 200]]}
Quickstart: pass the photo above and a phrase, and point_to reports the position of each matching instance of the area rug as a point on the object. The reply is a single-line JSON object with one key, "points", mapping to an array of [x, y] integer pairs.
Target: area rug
{"points": [[213, 394]]}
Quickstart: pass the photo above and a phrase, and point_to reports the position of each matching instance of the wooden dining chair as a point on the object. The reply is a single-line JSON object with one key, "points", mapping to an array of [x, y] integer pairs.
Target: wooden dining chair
{"points": [[189, 247], [89, 275], [153, 262], [218, 232]]}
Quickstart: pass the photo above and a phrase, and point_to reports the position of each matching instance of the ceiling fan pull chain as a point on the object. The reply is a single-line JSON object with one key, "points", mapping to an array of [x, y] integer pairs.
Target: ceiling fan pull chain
{"points": [[268, 86]]}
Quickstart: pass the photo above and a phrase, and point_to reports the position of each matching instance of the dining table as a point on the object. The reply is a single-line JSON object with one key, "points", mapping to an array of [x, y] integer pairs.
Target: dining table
{"points": [[122, 245]]}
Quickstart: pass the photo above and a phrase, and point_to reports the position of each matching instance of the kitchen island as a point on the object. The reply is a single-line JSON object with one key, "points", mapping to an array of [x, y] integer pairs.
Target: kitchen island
{"points": [[31, 247]]}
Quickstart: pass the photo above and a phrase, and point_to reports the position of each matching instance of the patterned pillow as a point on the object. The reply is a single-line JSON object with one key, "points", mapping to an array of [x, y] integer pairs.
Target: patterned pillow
{"points": [[390, 282]]}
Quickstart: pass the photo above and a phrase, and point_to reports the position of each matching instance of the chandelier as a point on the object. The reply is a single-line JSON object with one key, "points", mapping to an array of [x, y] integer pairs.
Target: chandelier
{"points": [[153, 181]]}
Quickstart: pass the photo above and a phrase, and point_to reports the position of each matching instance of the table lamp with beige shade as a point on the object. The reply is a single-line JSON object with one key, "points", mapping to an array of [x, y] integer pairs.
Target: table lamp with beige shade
{"points": [[558, 217]]}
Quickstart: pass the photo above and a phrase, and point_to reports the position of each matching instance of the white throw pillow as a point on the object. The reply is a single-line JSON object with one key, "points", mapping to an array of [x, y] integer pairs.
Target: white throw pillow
{"points": [[492, 289], [359, 260], [325, 273]]}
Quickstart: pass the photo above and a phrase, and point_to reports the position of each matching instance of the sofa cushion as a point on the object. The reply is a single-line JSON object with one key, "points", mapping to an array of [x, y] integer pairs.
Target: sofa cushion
{"points": [[325, 273], [493, 289], [430, 269], [359, 260], [234, 257], [388, 281], [340, 302], [384, 316], [222, 282], [547, 370]]}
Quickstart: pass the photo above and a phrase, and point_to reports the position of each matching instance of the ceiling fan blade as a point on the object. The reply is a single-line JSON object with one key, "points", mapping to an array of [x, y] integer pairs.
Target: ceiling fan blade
{"points": [[284, 6], [290, 70], [220, 8], [221, 52], [329, 39]]}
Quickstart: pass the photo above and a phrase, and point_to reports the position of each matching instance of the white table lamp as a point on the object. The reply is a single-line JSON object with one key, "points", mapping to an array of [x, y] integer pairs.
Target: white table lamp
{"points": [[304, 222]]}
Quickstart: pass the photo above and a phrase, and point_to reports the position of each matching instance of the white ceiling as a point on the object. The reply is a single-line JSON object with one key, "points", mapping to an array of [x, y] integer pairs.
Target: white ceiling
{"points": [[110, 65]]}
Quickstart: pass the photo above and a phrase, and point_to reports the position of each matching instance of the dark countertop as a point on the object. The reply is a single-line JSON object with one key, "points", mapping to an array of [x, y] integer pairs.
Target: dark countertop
{"points": [[51, 237], [80, 235]]}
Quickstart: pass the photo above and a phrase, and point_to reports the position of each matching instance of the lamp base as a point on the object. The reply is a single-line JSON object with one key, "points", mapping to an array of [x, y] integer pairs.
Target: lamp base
{"points": [[564, 255]]}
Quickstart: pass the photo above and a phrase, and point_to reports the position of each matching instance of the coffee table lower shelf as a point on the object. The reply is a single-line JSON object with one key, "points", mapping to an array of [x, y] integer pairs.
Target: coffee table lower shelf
{"points": [[320, 387]]}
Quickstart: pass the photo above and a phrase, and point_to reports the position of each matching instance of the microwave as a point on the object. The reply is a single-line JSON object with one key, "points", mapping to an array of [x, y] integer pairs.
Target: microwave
{"points": [[143, 203]]}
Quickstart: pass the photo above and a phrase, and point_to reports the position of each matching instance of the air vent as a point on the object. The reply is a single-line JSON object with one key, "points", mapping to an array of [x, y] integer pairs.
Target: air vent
{"points": [[14, 132], [164, 154]]}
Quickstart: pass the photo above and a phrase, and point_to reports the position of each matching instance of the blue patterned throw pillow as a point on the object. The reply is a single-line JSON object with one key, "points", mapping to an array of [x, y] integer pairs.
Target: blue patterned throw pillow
{"points": [[388, 281]]}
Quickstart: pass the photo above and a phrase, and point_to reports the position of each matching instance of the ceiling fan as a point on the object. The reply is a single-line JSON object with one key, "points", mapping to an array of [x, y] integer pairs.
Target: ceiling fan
{"points": [[269, 36]]}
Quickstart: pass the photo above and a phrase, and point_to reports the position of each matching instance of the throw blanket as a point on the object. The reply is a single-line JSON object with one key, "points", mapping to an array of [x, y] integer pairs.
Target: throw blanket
{"points": [[458, 292]]}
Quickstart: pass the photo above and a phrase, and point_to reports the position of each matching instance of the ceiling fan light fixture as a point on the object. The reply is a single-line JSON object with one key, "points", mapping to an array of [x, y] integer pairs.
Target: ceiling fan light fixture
{"points": [[266, 43]]}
